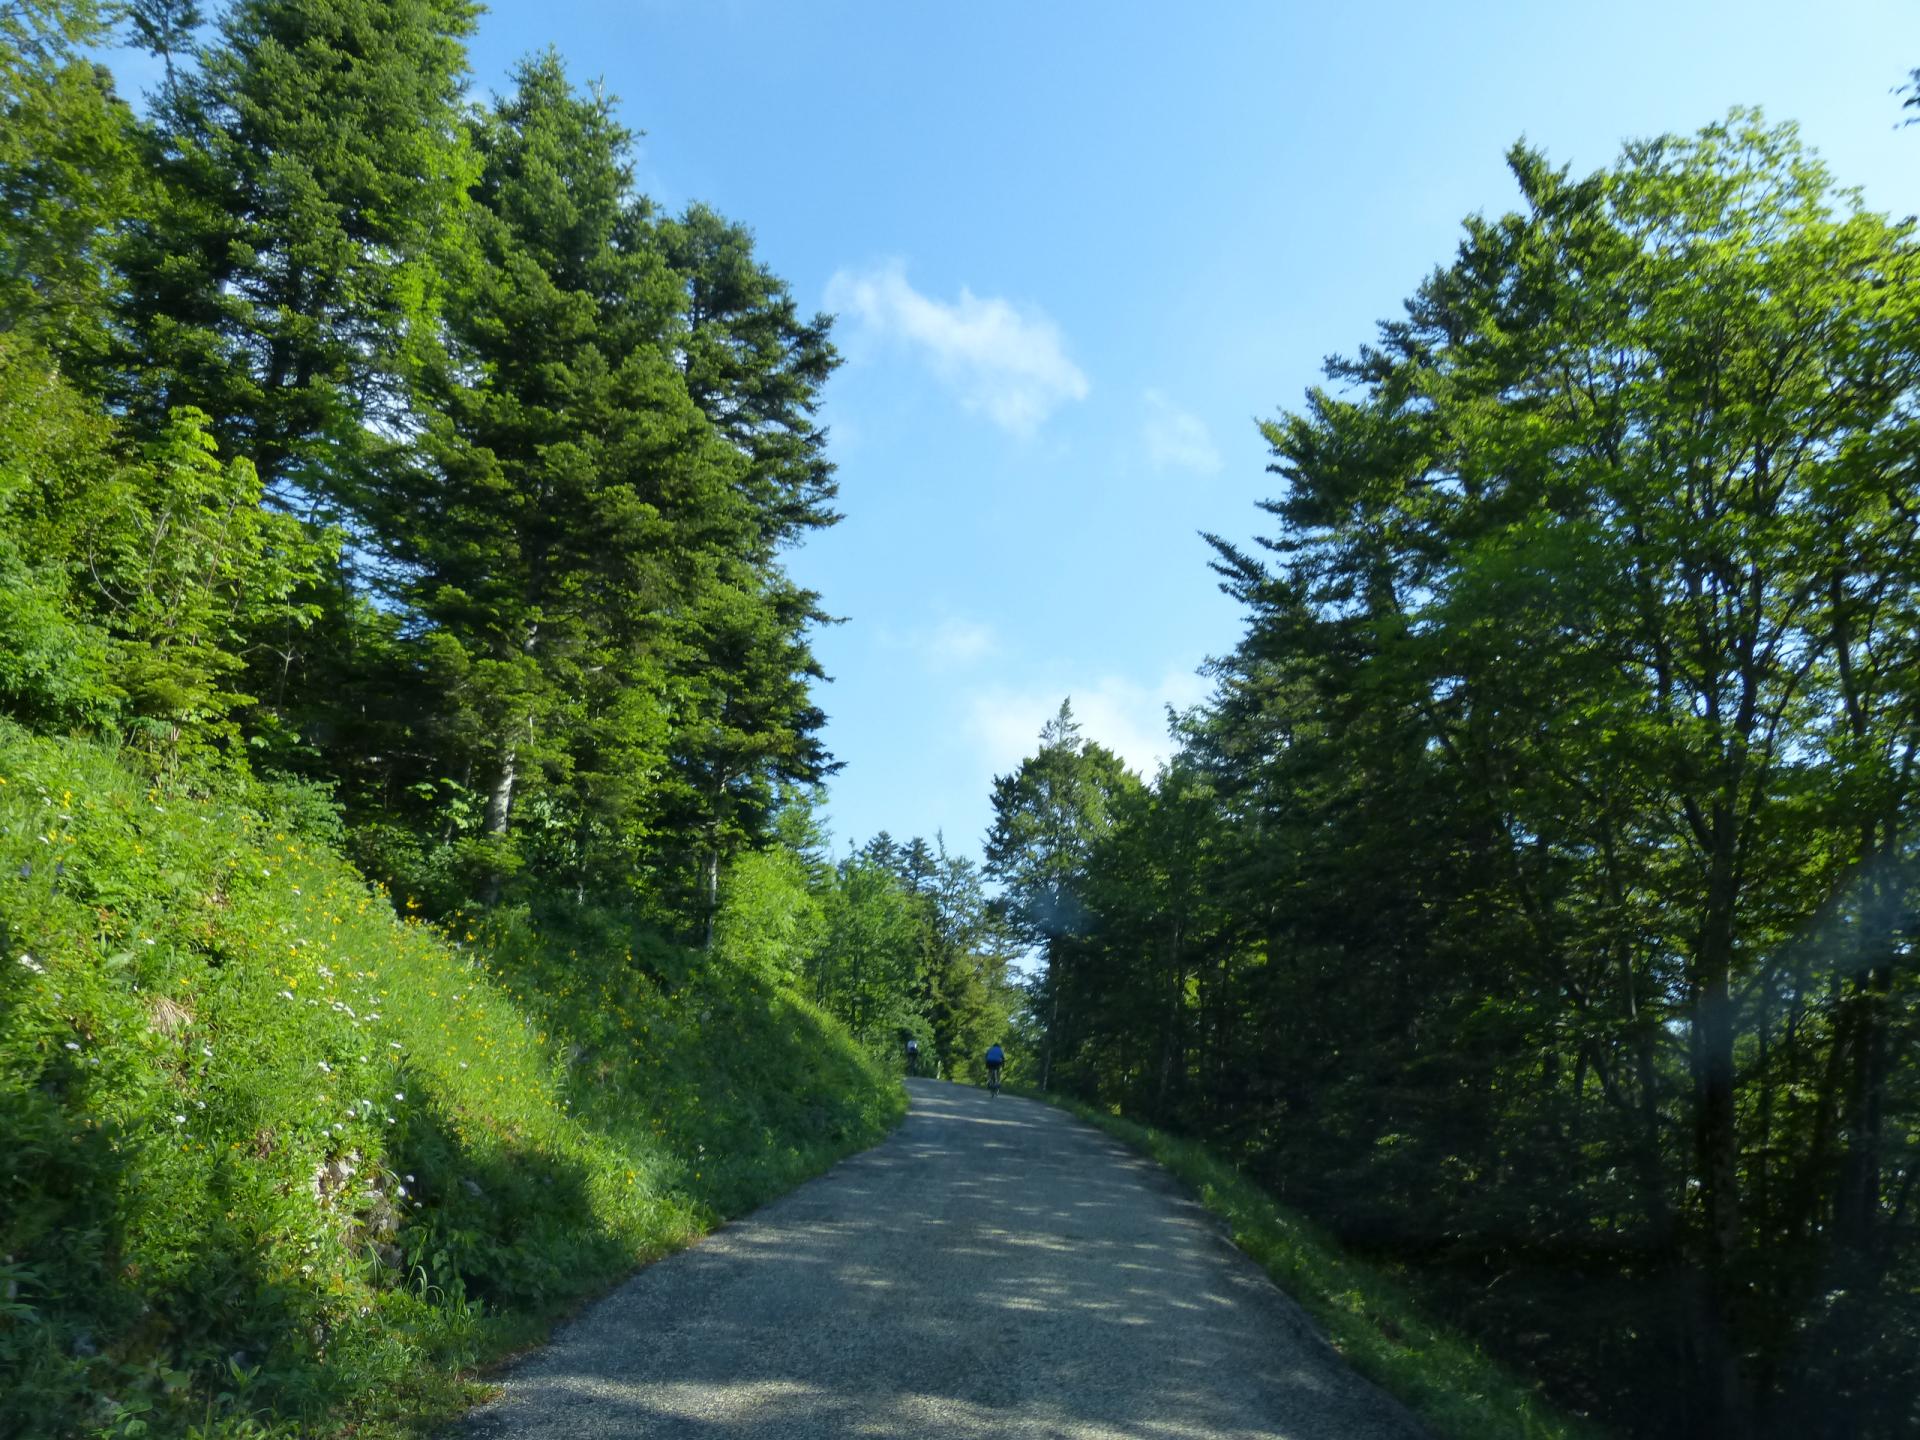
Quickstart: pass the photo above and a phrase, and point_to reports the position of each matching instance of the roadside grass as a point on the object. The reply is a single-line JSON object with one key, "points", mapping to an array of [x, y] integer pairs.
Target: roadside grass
{"points": [[1458, 1391], [280, 1163]]}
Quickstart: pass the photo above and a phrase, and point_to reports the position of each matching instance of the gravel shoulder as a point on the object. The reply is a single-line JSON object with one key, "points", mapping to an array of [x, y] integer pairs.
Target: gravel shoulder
{"points": [[994, 1268]]}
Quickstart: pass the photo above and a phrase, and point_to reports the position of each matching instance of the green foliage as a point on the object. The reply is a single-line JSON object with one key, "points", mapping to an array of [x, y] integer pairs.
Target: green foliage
{"points": [[274, 1153], [894, 942], [770, 920], [1048, 815], [185, 567], [137, 582], [69, 175], [310, 173], [53, 655], [1534, 901], [864, 970]]}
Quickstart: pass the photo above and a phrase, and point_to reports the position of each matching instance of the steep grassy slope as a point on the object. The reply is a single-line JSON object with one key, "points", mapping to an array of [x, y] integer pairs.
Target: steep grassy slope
{"points": [[276, 1159]]}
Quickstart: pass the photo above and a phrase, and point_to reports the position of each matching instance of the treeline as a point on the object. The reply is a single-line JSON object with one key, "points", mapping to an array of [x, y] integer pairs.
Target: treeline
{"points": [[896, 941], [1535, 899], [360, 434]]}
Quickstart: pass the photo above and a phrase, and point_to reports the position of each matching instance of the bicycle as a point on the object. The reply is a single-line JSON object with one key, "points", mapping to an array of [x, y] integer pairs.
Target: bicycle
{"points": [[993, 1080]]}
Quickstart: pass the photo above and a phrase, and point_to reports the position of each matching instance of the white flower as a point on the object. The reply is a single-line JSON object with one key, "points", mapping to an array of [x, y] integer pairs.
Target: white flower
{"points": [[325, 973], [393, 1044], [326, 1067], [207, 1050], [286, 994], [145, 941], [409, 1179], [399, 1094], [72, 1046], [32, 964], [463, 1064], [179, 1119], [296, 889], [199, 1104]]}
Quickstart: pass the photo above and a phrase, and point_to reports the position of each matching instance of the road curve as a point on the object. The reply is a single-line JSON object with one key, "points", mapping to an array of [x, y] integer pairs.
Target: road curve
{"points": [[994, 1268]]}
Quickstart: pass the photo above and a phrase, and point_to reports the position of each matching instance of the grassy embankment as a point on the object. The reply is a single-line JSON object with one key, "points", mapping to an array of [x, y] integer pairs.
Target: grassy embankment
{"points": [[1442, 1377], [277, 1161]]}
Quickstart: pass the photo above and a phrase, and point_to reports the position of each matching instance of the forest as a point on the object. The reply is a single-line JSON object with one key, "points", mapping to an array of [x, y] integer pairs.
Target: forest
{"points": [[416, 910], [1534, 901], [397, 446]]}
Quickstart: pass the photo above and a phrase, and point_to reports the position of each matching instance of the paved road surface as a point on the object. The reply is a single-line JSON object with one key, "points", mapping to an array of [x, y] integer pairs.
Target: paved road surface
{"points": [[995, 1268]]}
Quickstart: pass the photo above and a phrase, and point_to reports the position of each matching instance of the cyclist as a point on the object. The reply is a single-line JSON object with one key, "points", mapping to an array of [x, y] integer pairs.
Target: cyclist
{"points": [[996, 1057], [913, 1056]]}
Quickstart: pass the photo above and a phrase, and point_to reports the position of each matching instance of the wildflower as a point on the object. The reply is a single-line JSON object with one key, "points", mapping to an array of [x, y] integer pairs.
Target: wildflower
{"points": [[199, 1104], [144, 940], [399, 1094], [32, 964], [72, 1046], [286, 994], [179, 1119], [326, 1067], [207, 1050], [393, 1044]]}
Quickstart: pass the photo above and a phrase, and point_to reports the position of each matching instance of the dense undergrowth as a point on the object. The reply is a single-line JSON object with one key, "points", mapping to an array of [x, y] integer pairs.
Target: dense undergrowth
{"points": [[1443, 1377], [282, 1161]]}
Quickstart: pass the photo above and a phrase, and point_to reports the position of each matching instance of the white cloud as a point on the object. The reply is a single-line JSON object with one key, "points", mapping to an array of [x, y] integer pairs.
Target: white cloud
{"points": [[1006, 361], [1176, 439], [952, 643], [955, 642], [1127, 717]]}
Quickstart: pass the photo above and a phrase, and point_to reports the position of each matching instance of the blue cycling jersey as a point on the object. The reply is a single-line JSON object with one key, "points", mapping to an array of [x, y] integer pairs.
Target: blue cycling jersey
{"points": [[995, 1057]]}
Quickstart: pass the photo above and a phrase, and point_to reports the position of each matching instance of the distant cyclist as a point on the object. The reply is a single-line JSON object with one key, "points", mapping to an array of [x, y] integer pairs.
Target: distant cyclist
{"points": [[996, 1057], [913, 1056]]}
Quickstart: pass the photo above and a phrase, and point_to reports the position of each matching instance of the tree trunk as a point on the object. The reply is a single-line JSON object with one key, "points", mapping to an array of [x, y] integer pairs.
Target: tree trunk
{"points": [[1721, 1392], [710, 886], [500, 798]]}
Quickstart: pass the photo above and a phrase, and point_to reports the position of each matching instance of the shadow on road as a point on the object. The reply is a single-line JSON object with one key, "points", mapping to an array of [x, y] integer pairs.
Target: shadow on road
{"points": [[994, 1268]]}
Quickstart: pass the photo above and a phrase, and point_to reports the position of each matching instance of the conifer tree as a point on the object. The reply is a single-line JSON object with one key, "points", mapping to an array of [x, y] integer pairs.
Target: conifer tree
{"points": [[311, 167]]}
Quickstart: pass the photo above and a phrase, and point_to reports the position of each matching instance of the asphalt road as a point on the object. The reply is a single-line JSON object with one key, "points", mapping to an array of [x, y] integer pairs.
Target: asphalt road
{"points": [[994, 1268]]}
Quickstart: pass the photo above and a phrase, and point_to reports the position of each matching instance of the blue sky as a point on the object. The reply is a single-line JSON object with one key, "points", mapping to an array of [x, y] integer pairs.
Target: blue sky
{"points": [[1079, 249]]}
